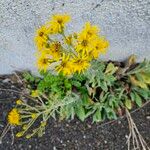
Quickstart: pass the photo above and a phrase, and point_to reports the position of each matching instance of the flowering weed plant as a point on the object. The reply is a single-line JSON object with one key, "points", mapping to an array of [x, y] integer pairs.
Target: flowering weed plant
{"points": [[74, 82]]}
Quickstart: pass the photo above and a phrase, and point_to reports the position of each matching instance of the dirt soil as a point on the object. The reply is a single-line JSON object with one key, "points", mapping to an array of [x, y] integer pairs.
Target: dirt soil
{"points": [[69, 135]]}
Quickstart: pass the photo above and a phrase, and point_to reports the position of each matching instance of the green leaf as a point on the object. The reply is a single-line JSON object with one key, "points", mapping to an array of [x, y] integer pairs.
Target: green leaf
{"points": [[104, 86], [79, 77], [138, 100], [69, 112], [146, 77], [83, 90], [97, 117], [128, 103], [85, 99], [111, 69], [132, 95], [67, 84], [103, 96], [80, 112], [110, 113], [143, 92], [121, 93], [76, 83]]}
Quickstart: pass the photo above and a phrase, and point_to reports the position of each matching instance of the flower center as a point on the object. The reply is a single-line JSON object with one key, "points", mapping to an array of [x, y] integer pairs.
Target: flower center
{"points": [[84, 43], [57, 46], [60, 21], [44, 61], [97, 47], [89, 33], [41, 34]]}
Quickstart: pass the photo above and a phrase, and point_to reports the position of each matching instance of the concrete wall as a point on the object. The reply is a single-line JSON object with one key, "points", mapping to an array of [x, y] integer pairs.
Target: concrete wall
{"points": [[126, 24]]}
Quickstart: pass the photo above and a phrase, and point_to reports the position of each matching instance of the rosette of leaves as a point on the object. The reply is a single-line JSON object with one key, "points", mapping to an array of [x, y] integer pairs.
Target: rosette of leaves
{"points": [[112, 87], [101, 79]]}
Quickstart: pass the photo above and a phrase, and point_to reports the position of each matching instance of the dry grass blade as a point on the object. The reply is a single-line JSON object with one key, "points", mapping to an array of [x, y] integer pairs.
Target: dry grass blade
{"points": [[6, 129], [134, 135]]}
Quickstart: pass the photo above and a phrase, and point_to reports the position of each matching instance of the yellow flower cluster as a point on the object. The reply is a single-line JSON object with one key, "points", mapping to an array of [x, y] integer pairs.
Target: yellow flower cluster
{"points": [[67, 54], [14, 117]]}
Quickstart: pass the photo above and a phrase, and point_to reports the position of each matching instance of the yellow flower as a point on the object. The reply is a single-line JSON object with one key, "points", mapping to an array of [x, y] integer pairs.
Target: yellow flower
{"points": [[55, 50], [61, 19], [58, 22], [80, 63], [14, 117], [93, 54], [86, 37], [90, 30], [64, 66], [84, 43], [33, 116], [54, 28], [41, 37], [101, 45], [40, 43], [19, 134], [43, 62], [42, 32], [19, 102], [35, 93]]}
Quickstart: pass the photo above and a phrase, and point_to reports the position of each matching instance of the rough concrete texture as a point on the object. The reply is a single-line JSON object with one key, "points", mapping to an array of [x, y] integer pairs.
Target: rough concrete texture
{"points": [[126, 24]]}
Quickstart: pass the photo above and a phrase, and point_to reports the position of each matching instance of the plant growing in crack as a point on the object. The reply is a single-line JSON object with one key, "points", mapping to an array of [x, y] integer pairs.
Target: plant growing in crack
{"points": [[74, 82]]}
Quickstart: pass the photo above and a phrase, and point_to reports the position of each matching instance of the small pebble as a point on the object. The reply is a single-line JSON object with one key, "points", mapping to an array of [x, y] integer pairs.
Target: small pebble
{"points": [[6, 80], [119, 122], [64, 145], [67, 125], [148, 117], [76, 141], [54, 148], [105, 142], [61, 141], [12, 86], [89, 126]]}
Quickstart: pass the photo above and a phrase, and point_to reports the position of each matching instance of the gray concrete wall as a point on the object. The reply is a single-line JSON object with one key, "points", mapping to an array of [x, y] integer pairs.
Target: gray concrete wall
{"points": [[126, 24]]}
